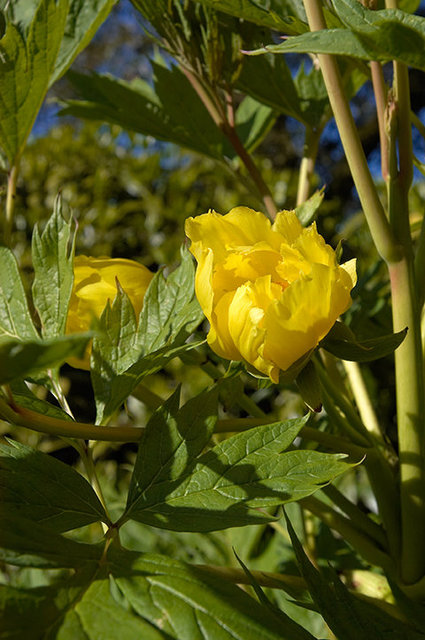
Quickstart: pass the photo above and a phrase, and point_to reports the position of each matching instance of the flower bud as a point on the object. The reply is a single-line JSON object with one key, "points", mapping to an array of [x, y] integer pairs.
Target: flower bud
{"points": [[94, 285]]}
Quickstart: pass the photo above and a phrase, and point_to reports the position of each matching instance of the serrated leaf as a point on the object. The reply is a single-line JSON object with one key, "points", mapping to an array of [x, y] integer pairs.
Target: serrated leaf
{"points": [[281, 15], [230, 482], [25, 543], [22, 359], [173, 438], [171, 111], [388, 34], [170, 309], [347, 617], [52, 255], [27, 62], [123, 353], [15, 318], [342, 343], [83, 20], [189, 603], [36, 486], [83, 608]]}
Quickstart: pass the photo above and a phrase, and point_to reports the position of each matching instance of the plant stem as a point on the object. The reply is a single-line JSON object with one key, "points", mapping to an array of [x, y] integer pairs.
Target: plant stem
{"points": [[380, 91], [410, 417], [358, 517], [373, 209], [220, 118], [10, 203], [311, 145], [362, 397], [361, 542], [23, 417]]}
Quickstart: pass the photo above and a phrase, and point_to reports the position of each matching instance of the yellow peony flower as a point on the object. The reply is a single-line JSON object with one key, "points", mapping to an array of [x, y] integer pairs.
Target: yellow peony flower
{"points": [[94, 285], [271, 292]]}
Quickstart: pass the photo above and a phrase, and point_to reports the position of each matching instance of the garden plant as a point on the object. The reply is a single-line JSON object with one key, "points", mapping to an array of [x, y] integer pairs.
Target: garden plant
{"points": [[252, 465]]}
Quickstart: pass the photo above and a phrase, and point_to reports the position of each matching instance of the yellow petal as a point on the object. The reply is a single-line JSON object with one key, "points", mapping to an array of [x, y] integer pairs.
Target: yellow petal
{"points": [[95, 284], [288, 226], [246, 316], [219, 337]]}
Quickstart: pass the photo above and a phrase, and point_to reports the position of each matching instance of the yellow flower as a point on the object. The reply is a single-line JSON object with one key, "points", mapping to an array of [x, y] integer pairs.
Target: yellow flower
{"points": [[94, 285], [271, 292]]}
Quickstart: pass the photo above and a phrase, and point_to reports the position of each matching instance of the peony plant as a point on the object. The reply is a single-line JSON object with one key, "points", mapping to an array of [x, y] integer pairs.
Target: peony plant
{"points": [[199, 497]]}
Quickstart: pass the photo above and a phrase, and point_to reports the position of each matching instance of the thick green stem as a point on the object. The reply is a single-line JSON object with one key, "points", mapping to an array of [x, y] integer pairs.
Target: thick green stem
{"points": [[10, 204], [311, 145], [372, 207], [410, 421]]}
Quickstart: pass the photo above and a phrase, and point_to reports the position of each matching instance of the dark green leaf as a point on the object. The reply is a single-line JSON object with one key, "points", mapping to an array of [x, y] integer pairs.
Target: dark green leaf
{"points": [[349, 618], [342, 343], [172, 439], [28, 544], [228, 483], [27, 61], [15, 318], [309, 387], [52, 255], [189, 603], [19, 359], [172, 111], [282, 15], [389, 34], [83, 20], [39, 487]]}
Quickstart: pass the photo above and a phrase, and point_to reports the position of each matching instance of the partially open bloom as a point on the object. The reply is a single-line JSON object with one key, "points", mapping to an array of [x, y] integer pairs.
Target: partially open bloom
{"points": [[271, 292], [95, 284]]}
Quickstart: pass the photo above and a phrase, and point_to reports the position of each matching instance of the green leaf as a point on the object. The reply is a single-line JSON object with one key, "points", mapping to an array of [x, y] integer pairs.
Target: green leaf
{"points": [[171, 441], [123, 354], [52, 255], [83, 20], [120, 386], [347, 617], [171, 111], [342, 343], [253, 121], [281, 15], [81, 609], [170, 309], [389, 34], [229, 483], [36, 486], [27, 544], [27, 61], [189, 603], [306, 211], [309, 387], [15, 318], [22, 359]]}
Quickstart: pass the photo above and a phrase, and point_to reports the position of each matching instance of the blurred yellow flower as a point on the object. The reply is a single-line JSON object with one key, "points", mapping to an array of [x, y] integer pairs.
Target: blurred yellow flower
{"points": [[94, 285], [271, 292]]}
